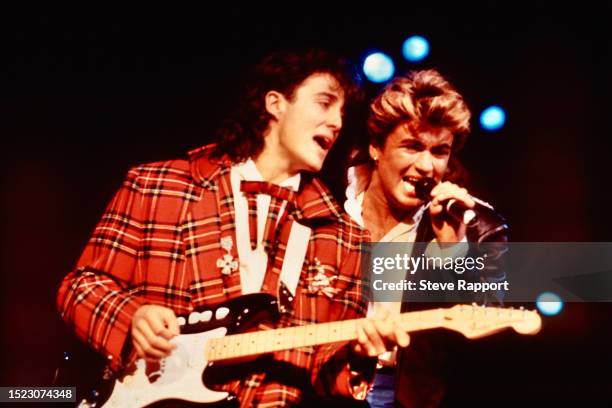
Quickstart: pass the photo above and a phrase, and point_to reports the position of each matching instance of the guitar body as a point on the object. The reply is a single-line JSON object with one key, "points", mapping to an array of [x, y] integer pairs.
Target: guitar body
{"points": [[180, 379]]}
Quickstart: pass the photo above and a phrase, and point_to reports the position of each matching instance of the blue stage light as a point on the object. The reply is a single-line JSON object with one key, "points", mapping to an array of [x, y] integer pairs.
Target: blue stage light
{"points": [[415, 48], [493, 118], [549, 303], [378, 67]]}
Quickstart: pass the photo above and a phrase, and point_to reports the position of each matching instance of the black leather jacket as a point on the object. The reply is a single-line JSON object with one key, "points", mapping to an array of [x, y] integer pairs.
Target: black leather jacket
{"points": [[424, 366]]}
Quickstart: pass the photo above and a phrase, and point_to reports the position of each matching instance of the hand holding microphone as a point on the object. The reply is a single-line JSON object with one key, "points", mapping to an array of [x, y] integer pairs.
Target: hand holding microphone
{"points": [[457, 209]]}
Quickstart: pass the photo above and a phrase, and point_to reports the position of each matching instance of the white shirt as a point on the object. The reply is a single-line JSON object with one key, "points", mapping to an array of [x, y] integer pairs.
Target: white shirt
{"points": [[253, 263], [404, 231]]}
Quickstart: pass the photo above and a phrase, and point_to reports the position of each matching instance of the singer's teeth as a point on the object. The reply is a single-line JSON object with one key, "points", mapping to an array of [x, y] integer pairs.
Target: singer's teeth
{"points": [[409, 187], [409, 182]]}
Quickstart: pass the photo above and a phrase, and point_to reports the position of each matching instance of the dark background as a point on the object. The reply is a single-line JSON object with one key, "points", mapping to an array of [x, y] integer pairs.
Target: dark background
{"points": [[86, 94]]}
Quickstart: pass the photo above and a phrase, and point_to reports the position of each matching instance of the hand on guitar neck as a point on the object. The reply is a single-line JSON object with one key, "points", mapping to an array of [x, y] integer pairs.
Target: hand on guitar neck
{"points": [[379, 334]]}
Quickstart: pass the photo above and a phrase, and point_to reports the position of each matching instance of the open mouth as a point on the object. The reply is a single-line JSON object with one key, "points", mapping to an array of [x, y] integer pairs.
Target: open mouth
{"points": [[323, 141], [410, 183], [411, 180], [419, 186]]}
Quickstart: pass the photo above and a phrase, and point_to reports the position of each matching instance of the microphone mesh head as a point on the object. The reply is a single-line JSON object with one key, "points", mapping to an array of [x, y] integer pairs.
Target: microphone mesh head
{"points": [[423, 187]]}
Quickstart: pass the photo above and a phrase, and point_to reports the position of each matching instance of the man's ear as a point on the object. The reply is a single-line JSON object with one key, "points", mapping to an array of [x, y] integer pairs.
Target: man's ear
{"points": [[374, 152], [275, 104]]}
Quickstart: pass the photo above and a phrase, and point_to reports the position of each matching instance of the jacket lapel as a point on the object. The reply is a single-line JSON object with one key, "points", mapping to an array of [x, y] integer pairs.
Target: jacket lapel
{"points": [[214, 176]]}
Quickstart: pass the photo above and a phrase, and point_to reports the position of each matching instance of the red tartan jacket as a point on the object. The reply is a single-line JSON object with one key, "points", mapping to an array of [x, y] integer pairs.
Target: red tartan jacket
{"points": [[158, 243]]}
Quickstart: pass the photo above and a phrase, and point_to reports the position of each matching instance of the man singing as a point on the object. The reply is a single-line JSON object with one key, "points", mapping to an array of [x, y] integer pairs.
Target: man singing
{"points": [[185, 234]]}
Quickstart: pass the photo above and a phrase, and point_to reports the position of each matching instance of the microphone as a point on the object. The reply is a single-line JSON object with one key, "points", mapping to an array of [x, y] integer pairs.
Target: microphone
{"points": [[452, 207]]}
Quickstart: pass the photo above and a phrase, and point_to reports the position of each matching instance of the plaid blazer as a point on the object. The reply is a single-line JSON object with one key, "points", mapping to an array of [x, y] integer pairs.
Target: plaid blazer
{"points": [[158, 242]]}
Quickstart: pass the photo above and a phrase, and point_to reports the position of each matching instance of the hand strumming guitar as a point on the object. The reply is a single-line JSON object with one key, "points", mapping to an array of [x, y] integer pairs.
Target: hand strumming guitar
{"points": [[152, 328]]}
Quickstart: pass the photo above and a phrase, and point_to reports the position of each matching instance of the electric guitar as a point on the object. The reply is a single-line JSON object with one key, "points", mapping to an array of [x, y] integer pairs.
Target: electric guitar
{"points": [[216, 336]]}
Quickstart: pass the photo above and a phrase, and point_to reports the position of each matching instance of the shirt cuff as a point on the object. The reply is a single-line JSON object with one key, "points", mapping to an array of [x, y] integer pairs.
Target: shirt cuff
{"points": [[457, 250]]}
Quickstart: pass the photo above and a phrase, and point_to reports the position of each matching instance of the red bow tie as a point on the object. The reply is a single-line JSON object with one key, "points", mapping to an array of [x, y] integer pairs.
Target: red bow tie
{"points": [[279, 195]]}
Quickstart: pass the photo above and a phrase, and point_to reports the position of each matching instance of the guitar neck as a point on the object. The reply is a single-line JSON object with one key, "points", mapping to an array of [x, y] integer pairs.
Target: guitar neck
{"points": [[267, 341]]}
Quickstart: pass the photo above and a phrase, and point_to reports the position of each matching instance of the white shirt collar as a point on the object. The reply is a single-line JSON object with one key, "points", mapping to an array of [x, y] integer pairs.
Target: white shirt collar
{"points": [[248, 171]]}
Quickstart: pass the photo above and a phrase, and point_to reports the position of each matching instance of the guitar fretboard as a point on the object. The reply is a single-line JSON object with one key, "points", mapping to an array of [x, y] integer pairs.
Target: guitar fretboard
{"points": [[267, 341]]}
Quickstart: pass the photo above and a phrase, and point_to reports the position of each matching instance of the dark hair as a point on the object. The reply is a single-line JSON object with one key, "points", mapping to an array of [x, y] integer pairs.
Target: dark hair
{"points": [[241, 136]]}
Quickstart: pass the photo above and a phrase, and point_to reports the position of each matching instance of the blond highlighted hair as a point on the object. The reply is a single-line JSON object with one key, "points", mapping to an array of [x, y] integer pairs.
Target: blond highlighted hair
{"points": [[423, 99]]}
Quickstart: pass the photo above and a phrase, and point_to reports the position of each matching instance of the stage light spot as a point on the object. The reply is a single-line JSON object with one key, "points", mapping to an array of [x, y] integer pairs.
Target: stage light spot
{"points": [[549, 303], [378, 67], [415, 48], [493, 118]]}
